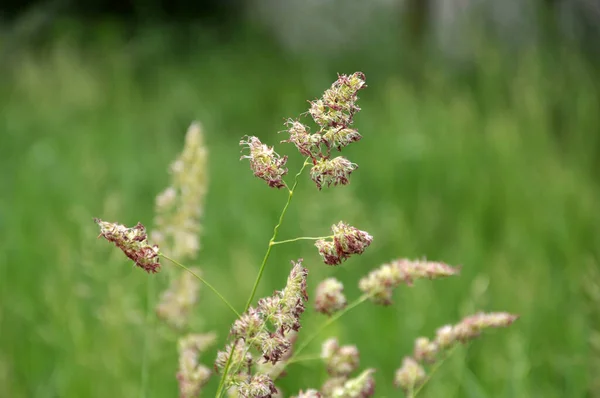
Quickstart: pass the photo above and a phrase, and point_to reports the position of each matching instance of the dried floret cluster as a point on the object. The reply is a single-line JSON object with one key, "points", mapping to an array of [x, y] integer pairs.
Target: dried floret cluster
{"points": [[341, 386], [330, 297], [334, 114], [177, 302], [411, 375], [380, 283], [261, 340], [177, 227], [133, 242], [192, 374], [346, 241], [179, 208], [265, 162], [268, 330], [341, 362]]}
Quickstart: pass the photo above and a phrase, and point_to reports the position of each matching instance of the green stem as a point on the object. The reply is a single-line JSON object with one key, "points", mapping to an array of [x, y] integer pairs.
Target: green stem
{"points": [[201, 279], [300, 238], [275, 231], [221, 388], [432, 371], [304, 359], [324, 326]]}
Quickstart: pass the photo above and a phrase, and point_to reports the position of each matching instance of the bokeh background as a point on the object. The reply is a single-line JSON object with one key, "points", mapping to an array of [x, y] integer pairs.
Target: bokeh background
{"points": [[481, 148]]}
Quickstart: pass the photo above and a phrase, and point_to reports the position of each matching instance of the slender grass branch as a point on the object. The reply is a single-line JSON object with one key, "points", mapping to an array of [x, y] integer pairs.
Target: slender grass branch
{"points": [[300, 238], [432, 371], [275, 231], [306, 358], [221, 388], [201, 279]]}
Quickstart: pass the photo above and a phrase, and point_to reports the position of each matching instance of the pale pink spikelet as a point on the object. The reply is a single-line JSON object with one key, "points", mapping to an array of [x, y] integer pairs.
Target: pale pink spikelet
{"points": [[425, 350], [334, 171], [445, 337], [338, 104], [133, 242], [380, 283], [268, 328], [330, 298], [311, 393], [265, 162], [334, 113], [176, 302], [241, 358], [180, 207], [416, 269], [347, 240], [341, 137], [278, 369], [362, 386], [340, 360], [192, 375], [332, 384], [309, 145], [472, 326], [249, 325], [257, 386], [410, 375]]}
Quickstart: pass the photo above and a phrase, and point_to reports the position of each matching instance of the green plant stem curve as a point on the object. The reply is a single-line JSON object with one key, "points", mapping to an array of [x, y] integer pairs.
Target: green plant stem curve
{"points": [[300, 238], [221, 388], [275, 231], [201, 279], [432, 371]]}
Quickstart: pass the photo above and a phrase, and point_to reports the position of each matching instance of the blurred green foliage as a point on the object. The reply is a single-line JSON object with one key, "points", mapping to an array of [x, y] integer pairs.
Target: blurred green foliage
{"points": [[494, 168]]}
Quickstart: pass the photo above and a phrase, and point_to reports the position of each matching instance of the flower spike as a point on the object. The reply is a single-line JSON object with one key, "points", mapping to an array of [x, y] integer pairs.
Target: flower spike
{"points": [[133, 242]]}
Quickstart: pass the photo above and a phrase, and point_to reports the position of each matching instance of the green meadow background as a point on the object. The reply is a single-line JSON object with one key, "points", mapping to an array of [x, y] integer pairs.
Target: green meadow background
{"points": [[490, 164]]}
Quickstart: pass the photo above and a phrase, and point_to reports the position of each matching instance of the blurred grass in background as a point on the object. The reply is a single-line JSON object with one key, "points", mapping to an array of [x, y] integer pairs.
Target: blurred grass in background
{"points": [[493, 166]]}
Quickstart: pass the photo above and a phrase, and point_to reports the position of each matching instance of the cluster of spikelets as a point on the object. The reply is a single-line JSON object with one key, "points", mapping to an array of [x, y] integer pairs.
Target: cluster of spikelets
{"points": [[346, 240], [341, 362], [261, 340], [412, 374], [269, 330], [192, 374], [180, 206], [133, 242], [177, 228], [334, 114]]}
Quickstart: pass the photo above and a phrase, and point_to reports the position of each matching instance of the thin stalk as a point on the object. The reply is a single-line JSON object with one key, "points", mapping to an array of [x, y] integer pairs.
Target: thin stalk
{"points": [[300, 238], [201, 279], [275, 231], [432, 371], [221, 388], [307, 358]]}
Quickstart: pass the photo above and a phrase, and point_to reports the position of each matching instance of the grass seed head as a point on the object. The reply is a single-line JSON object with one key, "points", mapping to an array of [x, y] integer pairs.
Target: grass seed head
{"points": [[133, 242]]}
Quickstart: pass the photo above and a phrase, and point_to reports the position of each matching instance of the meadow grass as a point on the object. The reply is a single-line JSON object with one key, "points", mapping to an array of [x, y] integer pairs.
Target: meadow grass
{"points": [[496, 172]]}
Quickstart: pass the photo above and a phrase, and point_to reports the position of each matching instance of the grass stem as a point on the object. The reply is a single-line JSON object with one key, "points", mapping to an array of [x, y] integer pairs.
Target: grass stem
{"points": [[201, 279]]}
